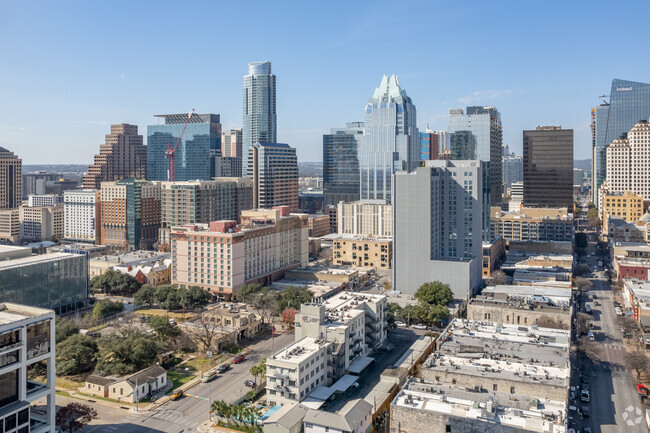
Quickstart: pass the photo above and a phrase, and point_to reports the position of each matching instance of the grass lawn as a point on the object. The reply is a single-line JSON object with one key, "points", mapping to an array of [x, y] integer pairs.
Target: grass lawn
{"points": [[67, 394], [63, 382], [164, 313], [178, 378], [95, 397], [201, 364]]}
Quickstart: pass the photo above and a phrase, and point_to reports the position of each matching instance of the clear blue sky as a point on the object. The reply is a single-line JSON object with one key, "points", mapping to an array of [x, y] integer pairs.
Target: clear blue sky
{"points": [[69, 69]]}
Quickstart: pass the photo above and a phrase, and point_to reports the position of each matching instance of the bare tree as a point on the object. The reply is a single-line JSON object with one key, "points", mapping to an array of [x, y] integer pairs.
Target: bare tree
{"points": [[205, 332], [638, 362], [628, 325], [582, 323], [265, 304], [387, 285], [590, 349], [583, 283], [498, 277]]}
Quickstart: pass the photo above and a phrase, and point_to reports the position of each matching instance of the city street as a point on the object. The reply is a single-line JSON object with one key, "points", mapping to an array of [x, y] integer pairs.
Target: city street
{"points": [[186, 414], [615, 405]]}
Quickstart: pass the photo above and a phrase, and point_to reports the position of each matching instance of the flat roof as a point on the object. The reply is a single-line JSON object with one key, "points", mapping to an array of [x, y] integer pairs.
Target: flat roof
{"points": [[10, 313], [299, 351], [528, 290], [349, 237], [360, 364], [31, 260]]}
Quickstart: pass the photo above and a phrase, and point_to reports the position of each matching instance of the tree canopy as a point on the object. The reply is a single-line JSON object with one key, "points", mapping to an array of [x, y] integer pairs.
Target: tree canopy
{"points": [[434, 293], [194, 297], [76, 355], [145, 296], [115, 283], [248, 291], [65, 328], [127, 352], [294, 297], [163, 328], [106, 307], [74, 416]]}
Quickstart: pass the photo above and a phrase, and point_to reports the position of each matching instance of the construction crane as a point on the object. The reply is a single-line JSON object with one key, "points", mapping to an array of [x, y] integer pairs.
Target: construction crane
{"points": [[170, 153]]}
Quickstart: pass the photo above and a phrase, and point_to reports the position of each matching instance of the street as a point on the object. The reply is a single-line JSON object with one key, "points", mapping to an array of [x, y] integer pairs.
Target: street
{"points": [[187, 413]]}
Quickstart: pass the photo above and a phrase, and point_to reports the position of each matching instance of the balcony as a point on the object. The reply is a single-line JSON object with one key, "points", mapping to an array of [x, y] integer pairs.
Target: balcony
{"points": [[34, 388]]}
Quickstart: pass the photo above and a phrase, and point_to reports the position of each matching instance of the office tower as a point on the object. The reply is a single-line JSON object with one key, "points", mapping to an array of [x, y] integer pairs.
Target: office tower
{"points": [[122, 156], [390, 139], [548, 167], [628, 163], [505, 150], [429, 146], [10, 225], [532, 224], [629, 102], [260, 120], [82, 220], [231, 143], [227, 166], [578, 177], [444, 141], [438, 216], [462, 145], [485, 125], [341, 164], [268, 242], [34, 200], [35, 183], [365, 218], [274, 170], [194, 157], [28, 340], [513, 170], [130, 210], [11, 179], [41, 223]]}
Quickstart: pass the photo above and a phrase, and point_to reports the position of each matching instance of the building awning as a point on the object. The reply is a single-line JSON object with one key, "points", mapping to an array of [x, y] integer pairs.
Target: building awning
{"points": [[344, 383], [360, 364], [321, 393], [312, 403]]}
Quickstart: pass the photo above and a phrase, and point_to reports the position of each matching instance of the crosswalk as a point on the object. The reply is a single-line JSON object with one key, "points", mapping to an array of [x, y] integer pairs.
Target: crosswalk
{"points": [[167, 416]]}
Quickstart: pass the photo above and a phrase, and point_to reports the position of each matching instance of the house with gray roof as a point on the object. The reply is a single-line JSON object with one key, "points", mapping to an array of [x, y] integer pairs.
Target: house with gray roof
{"points": [[354, 417]]}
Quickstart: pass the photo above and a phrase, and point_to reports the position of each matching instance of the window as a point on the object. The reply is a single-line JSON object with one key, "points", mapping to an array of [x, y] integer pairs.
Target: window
{"points": [[448, 428], [309, 425], [512, 390], [494, 387]]}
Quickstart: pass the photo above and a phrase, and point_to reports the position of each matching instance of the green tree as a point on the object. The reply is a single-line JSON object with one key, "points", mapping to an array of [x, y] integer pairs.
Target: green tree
{"points": [[145, 296], [258, 369], [74, 416], [247, 291], [115, 283], [106, 307], [163, 328], [65, 328], [294, 297], [76, 355], [265, 304], [127, 352], [434, 293], [194, 297], [432, 314], [168, 297]]}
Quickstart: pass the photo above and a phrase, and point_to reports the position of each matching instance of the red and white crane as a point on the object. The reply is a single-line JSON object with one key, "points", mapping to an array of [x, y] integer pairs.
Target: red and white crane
{"points": [[170, 153]]}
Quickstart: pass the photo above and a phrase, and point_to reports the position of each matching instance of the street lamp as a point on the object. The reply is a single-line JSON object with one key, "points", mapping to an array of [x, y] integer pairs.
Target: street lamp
{"points": [[209, 355]]}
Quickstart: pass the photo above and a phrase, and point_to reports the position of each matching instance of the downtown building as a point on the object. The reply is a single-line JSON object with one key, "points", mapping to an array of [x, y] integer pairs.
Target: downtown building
{"points": [[429, 146], [222, 256], [628, 163], [259, 111], [532, 224], [365, 218], [196, 152], [341, 164], [130, 214], [41, 223], [513, 170], [273, 167], [390, 140], [82, 216], [10, 180], [548, 167], [629, 102], [229, 164], [122, 156], [482, 139], [437, 225]]}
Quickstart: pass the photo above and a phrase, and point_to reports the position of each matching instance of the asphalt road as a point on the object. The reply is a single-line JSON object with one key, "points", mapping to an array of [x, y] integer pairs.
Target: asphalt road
{"points": [[615, 405]]}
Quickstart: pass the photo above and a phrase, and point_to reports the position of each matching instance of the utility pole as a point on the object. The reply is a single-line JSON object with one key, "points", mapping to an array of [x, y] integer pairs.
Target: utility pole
{"points": [[136, 394], [209, 355]]}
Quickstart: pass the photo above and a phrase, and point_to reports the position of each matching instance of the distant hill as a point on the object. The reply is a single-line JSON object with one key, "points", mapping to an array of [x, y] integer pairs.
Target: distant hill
{"points": [[56, 168], [582, 164], [310, 169]]}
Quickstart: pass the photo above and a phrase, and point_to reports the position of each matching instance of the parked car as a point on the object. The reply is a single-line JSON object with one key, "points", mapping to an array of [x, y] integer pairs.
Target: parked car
{"points": [[584, 411], [249, 383], [172, 322], [583, 379], [238, 359], [584, 386], [223, 368], [584, 396], [419, 326], [642, 390], [178, 393], [400, 324]]}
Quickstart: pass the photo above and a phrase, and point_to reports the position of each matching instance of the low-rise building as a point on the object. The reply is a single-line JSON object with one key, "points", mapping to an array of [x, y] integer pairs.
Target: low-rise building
{"points": [[626, 205], [318, 224], [631, 261], [100, 264], [493, 254], [362, 251], [286, 419], [354, 417], [41, 223], [619, 230], [636, 298], [152, 273], [538, 224], [9, 225], [235, 318], [131, 388]]}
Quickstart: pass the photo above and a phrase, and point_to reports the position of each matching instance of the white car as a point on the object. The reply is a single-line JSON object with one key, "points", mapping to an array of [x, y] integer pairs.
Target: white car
{"points": [[400, 324], [419, 327]]}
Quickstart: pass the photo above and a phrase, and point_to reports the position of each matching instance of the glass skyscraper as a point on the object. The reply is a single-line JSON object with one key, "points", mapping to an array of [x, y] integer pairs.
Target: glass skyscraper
{"points": [[260, 120], [629, 102], [463, 145], [194, 157], [390, 139], [341, 164]]}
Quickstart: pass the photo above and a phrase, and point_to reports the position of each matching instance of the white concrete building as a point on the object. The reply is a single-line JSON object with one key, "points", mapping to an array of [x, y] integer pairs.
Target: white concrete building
{"points": [[628, 163], [82, 215], [26, 339], [35, 200], [364, 218]]}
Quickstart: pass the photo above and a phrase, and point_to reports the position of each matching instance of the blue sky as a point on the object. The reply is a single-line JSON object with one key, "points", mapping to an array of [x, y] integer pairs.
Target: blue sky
{"points": [[69, 69]]}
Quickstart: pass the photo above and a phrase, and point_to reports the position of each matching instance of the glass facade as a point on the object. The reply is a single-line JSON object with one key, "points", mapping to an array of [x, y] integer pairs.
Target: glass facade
{"points": [[8, 388], [259, 115], [429, 146], [57, 282], [463, 145], [390, 139], [341, 164], [194, 157]]}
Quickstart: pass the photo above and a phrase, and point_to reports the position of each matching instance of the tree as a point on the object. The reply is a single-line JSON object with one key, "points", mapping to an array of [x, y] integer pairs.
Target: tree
{"points": [[638, 362], [592, 217], [205, 332], [115, 283], [163, 328], [582, 270], [387, 285], [126, 352], [65, 328], [76, 355], [590, 349], [265, 304], [628, 325], [167, 297], [434, 293], [145, 296], [74, 416], [583, 284], [289, 316], [106, 307], [582, 323], [294, 297], [247, 291], [194, 297], [498, 277], [432, 314], [258, 369]]}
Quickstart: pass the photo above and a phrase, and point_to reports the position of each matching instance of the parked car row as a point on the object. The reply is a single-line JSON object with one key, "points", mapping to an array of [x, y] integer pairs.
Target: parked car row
{"points": [[420, 326]]}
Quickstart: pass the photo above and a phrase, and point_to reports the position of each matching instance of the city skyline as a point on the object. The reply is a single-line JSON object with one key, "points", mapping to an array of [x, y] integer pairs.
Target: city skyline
{"points": [[85, 90]]}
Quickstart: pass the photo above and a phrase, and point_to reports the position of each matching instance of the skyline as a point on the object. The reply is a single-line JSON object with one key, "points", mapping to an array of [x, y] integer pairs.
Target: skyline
{"points": [[79, 67]]}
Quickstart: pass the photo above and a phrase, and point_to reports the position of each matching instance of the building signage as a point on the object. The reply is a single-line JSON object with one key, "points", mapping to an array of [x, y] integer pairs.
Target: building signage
{"points": [[623, 89]]}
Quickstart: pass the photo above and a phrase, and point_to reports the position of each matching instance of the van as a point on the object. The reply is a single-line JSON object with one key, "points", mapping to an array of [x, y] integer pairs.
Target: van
{"points": [[209, 375], [590, 335]]}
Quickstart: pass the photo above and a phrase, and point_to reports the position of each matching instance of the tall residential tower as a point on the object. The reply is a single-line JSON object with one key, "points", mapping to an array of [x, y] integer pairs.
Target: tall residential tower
{"points": [[10, 179], [260, 122], [341, 164]]}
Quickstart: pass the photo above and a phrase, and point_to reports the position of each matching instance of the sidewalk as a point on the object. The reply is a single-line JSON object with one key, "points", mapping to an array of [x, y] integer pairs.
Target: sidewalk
{"points": [[115, 405], [211, 427]]}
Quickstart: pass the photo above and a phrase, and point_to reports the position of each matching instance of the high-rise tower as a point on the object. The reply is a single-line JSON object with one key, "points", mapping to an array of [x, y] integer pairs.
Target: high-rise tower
{"points": [[390, 139], [341, 164], [260, 122], [10, 179]]}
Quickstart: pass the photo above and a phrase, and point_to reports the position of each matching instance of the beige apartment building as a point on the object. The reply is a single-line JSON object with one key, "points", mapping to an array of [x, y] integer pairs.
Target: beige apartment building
{"points": [[318, 225], [532, 224], [626, 205], [628, 162], [365, 218], [222, 256], [274, 170], [9, 225], [11, 180], [362, 251], [41, 223]]}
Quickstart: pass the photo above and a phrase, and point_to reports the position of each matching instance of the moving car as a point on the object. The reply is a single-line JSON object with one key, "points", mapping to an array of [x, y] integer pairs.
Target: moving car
{"points": [[400, 324], [178, 393], [419, 326], [222, 368], [209, 375], [238, 359], [249, 383]]}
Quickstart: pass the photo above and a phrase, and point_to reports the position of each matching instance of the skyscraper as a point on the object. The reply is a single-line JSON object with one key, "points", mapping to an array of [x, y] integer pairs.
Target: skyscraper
{"points": [[462, 145], [629, 102], [231, 142], [429, 147], [437, 224], [10, 179], [548, 167], [628, 162], [390, 139], [122, 156], [274, 170], [341, 164], [194, 157], [513, 170], [260, 121], [485, 124]]}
